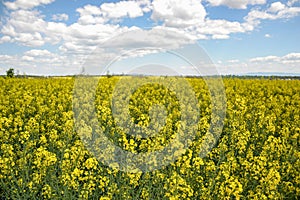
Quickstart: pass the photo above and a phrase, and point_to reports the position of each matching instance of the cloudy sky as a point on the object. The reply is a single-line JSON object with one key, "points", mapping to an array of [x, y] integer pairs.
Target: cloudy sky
{"points": [[56, 37]]}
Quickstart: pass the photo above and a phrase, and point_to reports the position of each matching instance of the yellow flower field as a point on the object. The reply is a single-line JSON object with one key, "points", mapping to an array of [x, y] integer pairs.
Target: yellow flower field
{"points": [[42, 155]]}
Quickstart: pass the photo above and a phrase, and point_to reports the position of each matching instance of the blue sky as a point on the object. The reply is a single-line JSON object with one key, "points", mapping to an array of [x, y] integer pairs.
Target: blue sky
{"points": [[57, 37]]}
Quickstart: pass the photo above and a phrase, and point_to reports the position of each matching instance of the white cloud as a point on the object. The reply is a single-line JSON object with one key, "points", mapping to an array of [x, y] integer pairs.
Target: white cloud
{"points": [[95, 33], [287, 64], [90, 19], [143, 42], [178, 13], [291, 58], [220, 37], [146, 5], [265, 59], [38, 52], [139, 53], [292, 2], [30, 39], [121, 9], [5, 39], [277, 6], [157, 37], [268, 35], [220, 27], [98, 23], [40, 56], [40, 62], [215, 29], [83, 39], [284, 64], [190, 17], [89, 10], [233, 61], [28, 27], [5, 57], [184, 16], [277, 10], [90, 14], [24, 27], [54, 32], [239, 4], [27, 58], [24, 21], [26, 4], [60, 17]]}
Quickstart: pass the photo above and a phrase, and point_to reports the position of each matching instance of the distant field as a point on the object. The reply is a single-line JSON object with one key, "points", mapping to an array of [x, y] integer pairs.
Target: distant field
{"points": [[256, 157]]}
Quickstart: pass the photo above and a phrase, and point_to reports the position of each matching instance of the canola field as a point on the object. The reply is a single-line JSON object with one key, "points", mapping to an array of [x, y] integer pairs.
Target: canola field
{"points": [[44, 156]]}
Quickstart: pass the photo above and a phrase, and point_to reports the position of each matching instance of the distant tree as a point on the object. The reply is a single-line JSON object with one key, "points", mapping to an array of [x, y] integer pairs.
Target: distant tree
{"points": [[10, 73], [108, 75]]}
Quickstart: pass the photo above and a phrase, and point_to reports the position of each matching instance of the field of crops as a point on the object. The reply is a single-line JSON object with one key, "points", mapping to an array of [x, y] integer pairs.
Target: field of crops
{"points": [[44, 156]]}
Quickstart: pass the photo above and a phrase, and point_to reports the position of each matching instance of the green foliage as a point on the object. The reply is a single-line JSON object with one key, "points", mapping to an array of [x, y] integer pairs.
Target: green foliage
{"points": [[10, 73]]}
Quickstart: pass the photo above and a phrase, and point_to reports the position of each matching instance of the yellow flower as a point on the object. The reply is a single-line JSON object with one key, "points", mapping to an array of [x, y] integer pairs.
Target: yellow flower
{"points": [[91, 163], [104, 198]]}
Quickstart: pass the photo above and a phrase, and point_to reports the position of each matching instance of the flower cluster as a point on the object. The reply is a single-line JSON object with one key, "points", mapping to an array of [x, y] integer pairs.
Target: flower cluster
{"points": [[42, 156]]}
